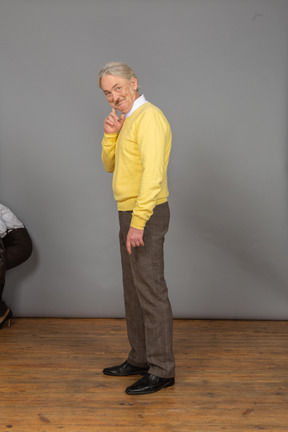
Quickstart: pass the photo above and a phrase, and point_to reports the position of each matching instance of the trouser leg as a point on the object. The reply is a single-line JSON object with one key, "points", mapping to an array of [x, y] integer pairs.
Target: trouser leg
{"points": [[15, 248], [134, 315], [2, 275], [18, 247], [2, 262], [3, 306], [149, 286]]}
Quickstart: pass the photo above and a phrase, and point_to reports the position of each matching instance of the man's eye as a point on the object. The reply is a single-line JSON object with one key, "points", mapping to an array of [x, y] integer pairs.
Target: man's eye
{"points": [[118, 88]]}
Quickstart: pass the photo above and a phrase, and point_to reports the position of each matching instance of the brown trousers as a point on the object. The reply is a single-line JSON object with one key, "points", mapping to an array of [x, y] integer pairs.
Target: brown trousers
{"points": [[148, 310]]}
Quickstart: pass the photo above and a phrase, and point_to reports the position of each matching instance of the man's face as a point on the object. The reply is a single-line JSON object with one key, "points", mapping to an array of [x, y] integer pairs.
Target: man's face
{"points": [[120, 92]]}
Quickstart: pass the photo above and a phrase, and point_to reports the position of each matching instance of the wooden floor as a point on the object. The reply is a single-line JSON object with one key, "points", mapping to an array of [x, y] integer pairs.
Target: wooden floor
{"points": [[231, 376]]}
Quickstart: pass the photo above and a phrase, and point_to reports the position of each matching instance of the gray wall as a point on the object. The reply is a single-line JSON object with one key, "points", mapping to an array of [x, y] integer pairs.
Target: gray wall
{"points": [[218, 69]]}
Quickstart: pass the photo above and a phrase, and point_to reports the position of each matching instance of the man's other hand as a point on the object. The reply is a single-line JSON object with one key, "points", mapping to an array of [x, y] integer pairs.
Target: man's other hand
{"points": [[134, 239]]}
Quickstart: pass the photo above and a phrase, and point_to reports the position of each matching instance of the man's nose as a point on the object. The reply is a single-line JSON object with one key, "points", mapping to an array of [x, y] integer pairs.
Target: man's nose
{"points": [[114, 96]]}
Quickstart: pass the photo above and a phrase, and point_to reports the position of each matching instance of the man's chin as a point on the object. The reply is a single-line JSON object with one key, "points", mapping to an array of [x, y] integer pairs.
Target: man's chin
{"points": [[118, 108], [121, 111]]}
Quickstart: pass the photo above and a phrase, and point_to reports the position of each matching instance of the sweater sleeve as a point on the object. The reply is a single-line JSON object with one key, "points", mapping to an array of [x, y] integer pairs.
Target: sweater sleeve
{"points": [[152, 138], [108, 151]]}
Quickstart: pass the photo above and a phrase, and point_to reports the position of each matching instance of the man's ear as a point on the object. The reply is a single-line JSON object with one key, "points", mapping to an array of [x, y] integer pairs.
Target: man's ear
{"points": [[134, 83]]}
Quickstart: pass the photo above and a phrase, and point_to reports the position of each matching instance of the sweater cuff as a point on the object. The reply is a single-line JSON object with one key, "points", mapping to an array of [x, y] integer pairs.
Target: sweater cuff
{"points": [[137, 222], [111, 135], [109, 139]]}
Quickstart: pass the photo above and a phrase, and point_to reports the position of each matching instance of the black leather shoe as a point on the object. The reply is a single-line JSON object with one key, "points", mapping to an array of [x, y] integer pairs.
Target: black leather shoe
{"points": [[149, 384], [125, 369]]}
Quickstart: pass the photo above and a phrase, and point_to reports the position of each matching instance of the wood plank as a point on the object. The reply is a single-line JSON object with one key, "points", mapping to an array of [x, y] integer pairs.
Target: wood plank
{"points": [[231, 376]]}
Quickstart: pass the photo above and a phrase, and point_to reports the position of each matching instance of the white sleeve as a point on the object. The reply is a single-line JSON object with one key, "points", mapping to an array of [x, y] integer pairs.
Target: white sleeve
{"points": [[8, 220]]}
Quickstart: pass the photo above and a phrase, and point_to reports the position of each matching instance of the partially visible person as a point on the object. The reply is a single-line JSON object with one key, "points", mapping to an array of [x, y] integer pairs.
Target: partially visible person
{"points": [[15, 248]]}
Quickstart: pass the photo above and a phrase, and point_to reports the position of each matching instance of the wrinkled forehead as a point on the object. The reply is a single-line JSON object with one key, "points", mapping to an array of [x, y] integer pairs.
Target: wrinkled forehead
{"points": [[110, 81]]}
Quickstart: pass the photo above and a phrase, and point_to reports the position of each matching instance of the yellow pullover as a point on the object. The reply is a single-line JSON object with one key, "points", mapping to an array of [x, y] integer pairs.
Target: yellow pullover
{"points": [[138, 156]]}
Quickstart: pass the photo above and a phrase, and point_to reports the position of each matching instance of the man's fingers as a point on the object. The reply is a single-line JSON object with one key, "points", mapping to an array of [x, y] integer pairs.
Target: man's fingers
{"points": [[133, 243], [112, 118], [128, 247], [115, 116], [109, 120], [134, 238]]}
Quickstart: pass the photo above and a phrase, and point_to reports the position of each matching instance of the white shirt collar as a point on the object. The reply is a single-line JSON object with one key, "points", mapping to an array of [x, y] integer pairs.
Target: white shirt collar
{"points": [[137, 103]]}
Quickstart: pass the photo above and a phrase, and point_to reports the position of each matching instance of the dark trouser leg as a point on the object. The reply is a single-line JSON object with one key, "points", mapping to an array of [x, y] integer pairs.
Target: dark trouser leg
{"points": [[134, 315], [2, 275], [15, 248], [2, 263], [18, 247], [3, 307], [146, 299]]}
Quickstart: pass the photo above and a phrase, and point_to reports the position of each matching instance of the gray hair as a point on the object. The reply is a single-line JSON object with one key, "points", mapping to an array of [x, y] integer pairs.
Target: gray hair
{"points": [[117, 69]]}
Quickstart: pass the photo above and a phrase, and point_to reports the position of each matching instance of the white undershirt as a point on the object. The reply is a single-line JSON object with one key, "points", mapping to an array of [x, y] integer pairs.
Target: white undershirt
{"points": [[137, 103], [8, 221]]}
